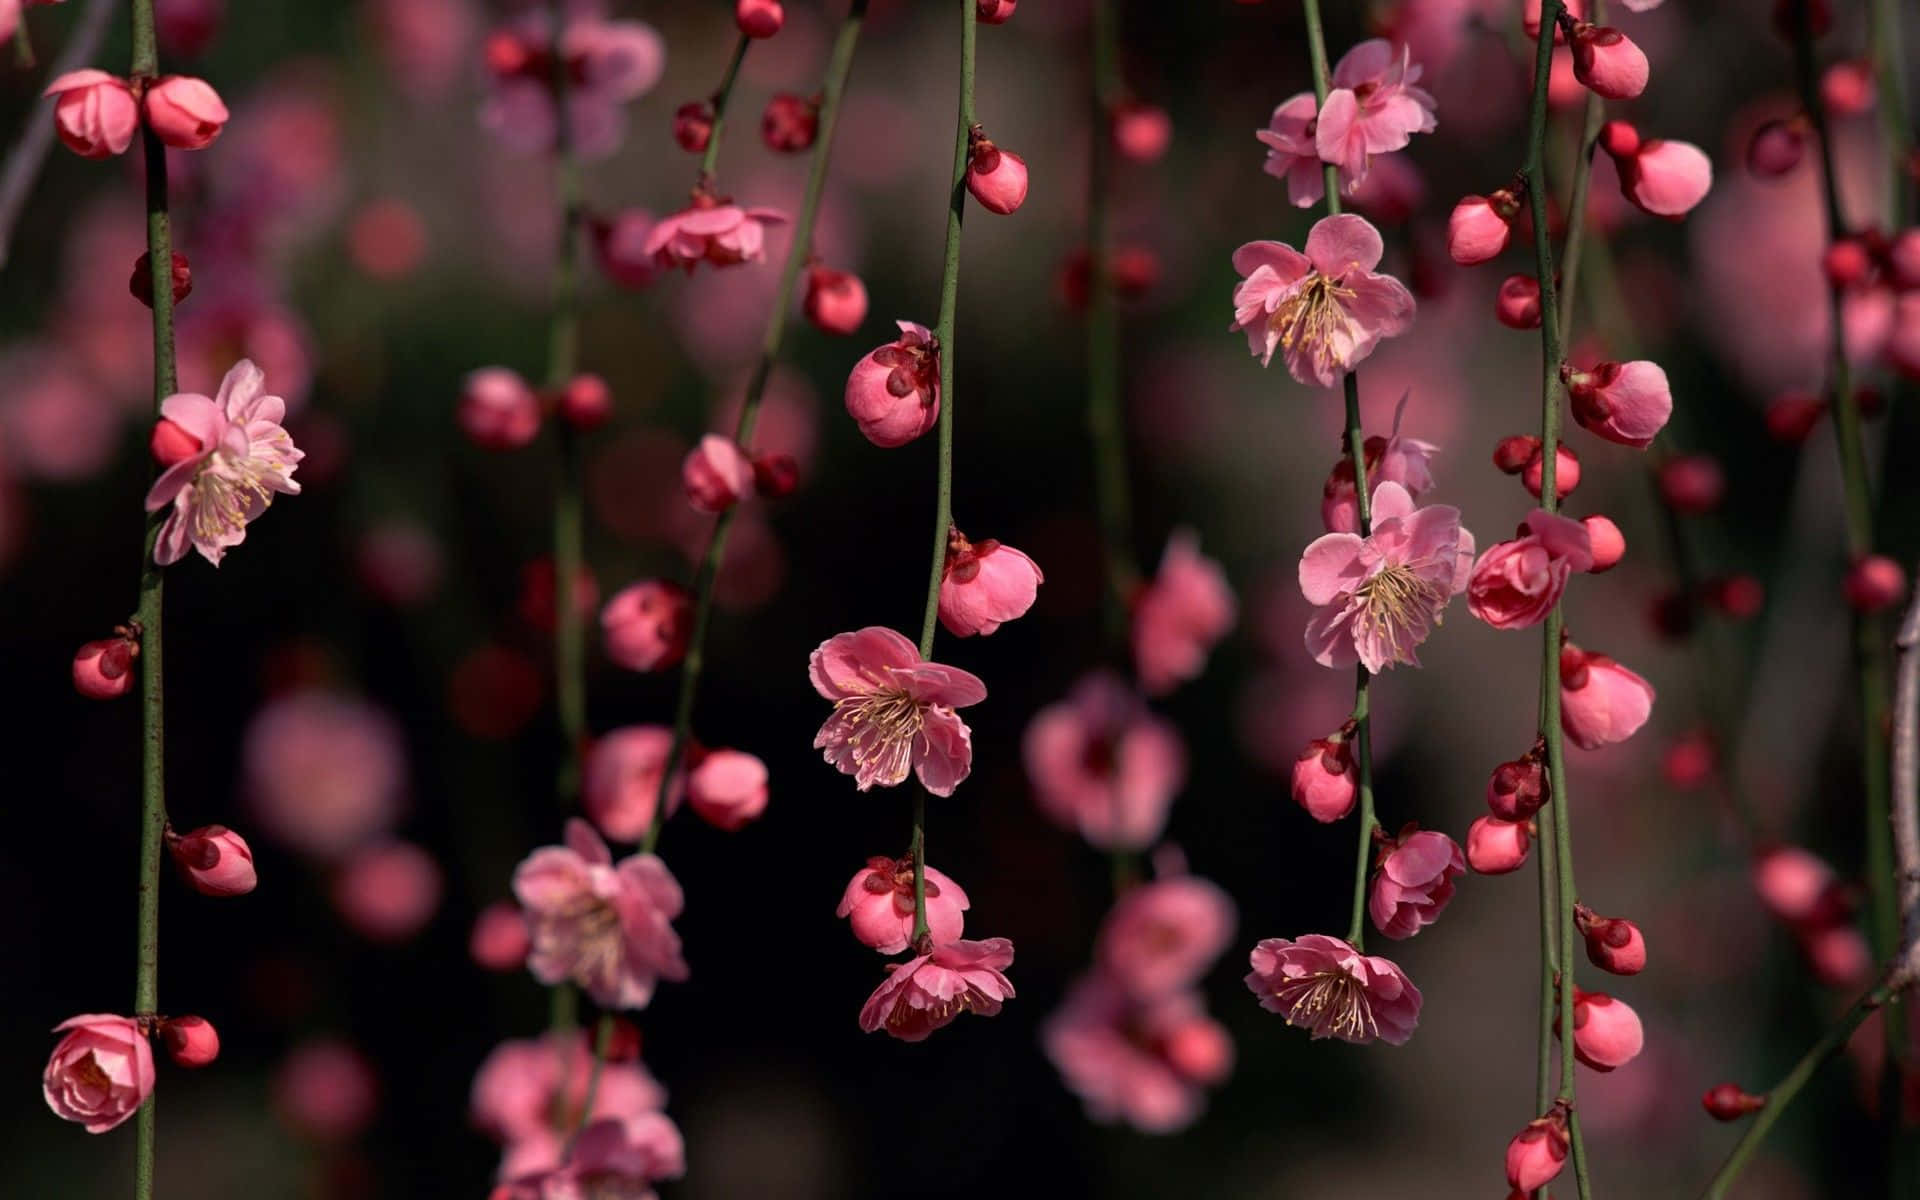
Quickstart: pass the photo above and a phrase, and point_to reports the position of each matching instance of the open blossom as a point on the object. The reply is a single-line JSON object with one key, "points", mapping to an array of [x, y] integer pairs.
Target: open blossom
{"points": [[985, 584], [929, 990], [1373, 107], [879, 903], [1381, 595], [608, 63], [241, 457], [712, 230], [1516, 584], [621, 784], [1325, 986], [893, 711], [1601, 702], [517, 1099], [1161, 937], [1180, 615], [1291, 154], [1327, 308], [100, 1073], [1103, 765], [1144, 1063], [607, 928], [614, 1157], [1414, 881]]}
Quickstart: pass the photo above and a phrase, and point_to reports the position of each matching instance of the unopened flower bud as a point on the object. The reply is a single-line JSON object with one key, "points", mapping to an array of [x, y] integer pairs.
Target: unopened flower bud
{"points": [[1141, 132], [1847, 262], [775, 475], [1726, 1102], [1608, 543], [585, 403], [1689, 762], [103, 669], [997, 178], [1777, 147], [140, 283], [1517, 305], [1619, 139], [1566, 472], [759, 18], [716, 474], [1512, 454], [1614, 944], [893, 394], [1517, 789], [498, 411], [1692, 484], [1537, 1153], [500, 938], [1480, 227], [1791, 417], [693, 126], [190, 1041], [1325, 782], [183, 112], [1608, 62], [1875, 583], [1606, 1031], [994, 12], [215, 860], [790, 123], [1847, 88], [728, 789], [1497, 847], [1738, 597], [95, 113], [836, 301], [1627, 403], [646, 626]]}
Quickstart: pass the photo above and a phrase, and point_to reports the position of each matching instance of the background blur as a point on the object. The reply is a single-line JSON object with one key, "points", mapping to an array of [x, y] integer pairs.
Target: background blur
{"points": [[357, 232]]}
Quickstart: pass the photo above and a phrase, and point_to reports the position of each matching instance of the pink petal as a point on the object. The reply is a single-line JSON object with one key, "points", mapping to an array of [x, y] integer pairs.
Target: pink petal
{"points": [[857, 663], [1286, 263], [1330, 567], [948, 752], [936, 683], [1342, 243], [1367, 62], [585, 841]]}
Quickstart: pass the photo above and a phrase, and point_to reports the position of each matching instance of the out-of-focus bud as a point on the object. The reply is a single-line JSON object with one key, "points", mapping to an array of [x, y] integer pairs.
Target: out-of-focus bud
{"points": [[836, 301], [1517, 305], [693, 126], [585, 403], [1726, 1102], [1875, 584], [775, 475], [790, 123], [1777, 147], [759, 18]]}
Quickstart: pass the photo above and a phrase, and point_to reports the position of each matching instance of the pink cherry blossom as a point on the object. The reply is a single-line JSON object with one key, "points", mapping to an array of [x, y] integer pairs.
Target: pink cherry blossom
{"points": [[1797, 885], [879, 903], [1161, 937], [1601, 702], [517, 1098], [608, 64], [613, 1158], [95, 114], [1179, 615], [728, 789], [711, 231], [1103, 765], [929, 990], [984, 585], [1326, 308], [1144, 1063], [646, 626], [1373, 107], [621, 780], [1413, 881], [244, 458], [1627, 403], [607, 928], [499, 941], [100, 1073], [1325, 986], [1291, 154], [323, 772], [1516, 584], [893, 711], [1381, 595]]}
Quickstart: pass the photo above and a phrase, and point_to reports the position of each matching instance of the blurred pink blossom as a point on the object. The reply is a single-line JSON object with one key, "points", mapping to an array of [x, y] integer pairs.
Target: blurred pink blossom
{"points": [[1102, 765], [323, 772], [606, 927], [928, 991], [893, 712]]}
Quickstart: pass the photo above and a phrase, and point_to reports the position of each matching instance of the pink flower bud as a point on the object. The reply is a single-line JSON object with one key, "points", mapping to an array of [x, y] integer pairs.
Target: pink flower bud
{"points": [[1726, 1102], [879, 902], [1838, 955], [215, 860], [1537, 1153], [790, 123], [1325, 782], [103, 669], [836, 301], [96, 114], [500, 940], [1512, 454], [1791, 417], [1497, 847], [693, 126], [388, 891], [140, 283], [728, 789], [585, 403], [1737, 597], [1628, 403], [1847, 88], [1479, 228], [1517, 789], [1606, 1031], [1619, 139], [1777, 148], [1516, 583], [1798, 887], [190, 1041], [1666, 178], [994, 12], [1141, 132], [775, 475], [717, 474], [645, 626], [1608, 62], [997, 178], [1692, 484], [1517, 304], [620, 247], [1200, 1050], [100, 1073], [984, 585], [1608, 543], [184, 113], [1566, 472], [759, 18], [893, 393], [1614, 944], [1601, 702], [1875, 584], [498, 411], [1848, 263]]}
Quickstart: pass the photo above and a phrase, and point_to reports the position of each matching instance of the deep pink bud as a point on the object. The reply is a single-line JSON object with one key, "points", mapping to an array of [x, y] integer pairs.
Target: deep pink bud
{"points": [[836, 301], [1608, 62], [586, 402], [1325, 782], [1627, 403], [716, 474], [759, 18], [1726, 1102], [1737, 597], [1847, 262], [1606, 1031], [1530, 11], [1777, 147], [997, 178], [1791, 417], [1141, 132], [104, 669], [1512, 454], [184, 112], [1619, 139], [728, 789], [1665, 178], [215, 860], [1537, 1153], [1692, 484], [1847, 88], [170, 443], [1608, 543], [1903, 259], [498, 411], [994, 12], [1517, 789], [775, 475], [1688, 762], [140, 283], [1566, 472], [1517, 305], [893, 394], [1614, 944], [1875, 583], [646, 626], [500, 939], [693, 126], [190, 1041], [1497, 847], [1601, 702], [96, 114], [985, 584], [790, 123], [1479, 229]]}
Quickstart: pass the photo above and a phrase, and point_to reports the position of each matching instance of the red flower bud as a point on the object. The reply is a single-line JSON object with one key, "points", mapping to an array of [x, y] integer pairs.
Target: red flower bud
{"points": [[1726, 1102]]}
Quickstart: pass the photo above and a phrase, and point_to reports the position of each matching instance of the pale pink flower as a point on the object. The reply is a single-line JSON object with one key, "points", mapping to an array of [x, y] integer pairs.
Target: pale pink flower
{"points": [[96, 114], [711, 231], [1626, 403], [323, 772], [1326, 308], [1142, 1063], [929, 990], [620, 787], [728, 789], [985, 584], [244, 457], [607, 928], [388, 892], [1327, 987], [1103, 765], [1381, 595], [879, 904], [1161, 937], [893, 712], [608, 63], [615, 1158], [516, 1095], [1179, 615], [1373, 107], [1414, 881], [1516, 584], [100, 1073], [1601, 702], [1291, 154]]}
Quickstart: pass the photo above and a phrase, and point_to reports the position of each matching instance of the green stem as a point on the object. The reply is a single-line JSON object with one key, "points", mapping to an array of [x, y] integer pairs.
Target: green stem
{"points": [[1889, 68], [23, 59], [1105, 420], [1549, 963], [1592, 118], [711, 159], [832, 88], [602, 1044]]}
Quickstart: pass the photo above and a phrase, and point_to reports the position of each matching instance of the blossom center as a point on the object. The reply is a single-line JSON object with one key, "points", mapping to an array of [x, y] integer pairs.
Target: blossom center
{"points": [[91, 1078], [1330, 1000], [884, 726], [1395, 601], [228, 491], [590, 928], [1312, 315]]}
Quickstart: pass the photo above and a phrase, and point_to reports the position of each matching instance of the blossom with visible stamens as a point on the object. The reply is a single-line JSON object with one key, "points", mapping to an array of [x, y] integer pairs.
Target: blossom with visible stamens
{"points": [[930, 990], [1326, 308], [244, 457], [893, 711], [604, 926], [1381, 595], [1327, 987], [1373, 107]]}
